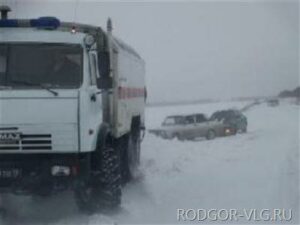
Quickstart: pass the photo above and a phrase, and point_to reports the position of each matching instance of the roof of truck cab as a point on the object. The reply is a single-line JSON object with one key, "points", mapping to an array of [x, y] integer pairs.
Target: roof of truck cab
{"points": [[69, 27], [38, 36]]}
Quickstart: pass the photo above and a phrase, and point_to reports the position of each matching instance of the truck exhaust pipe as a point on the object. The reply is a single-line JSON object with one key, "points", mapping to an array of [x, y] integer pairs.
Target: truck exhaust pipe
{"points": [[109, 26], [4, 11]]}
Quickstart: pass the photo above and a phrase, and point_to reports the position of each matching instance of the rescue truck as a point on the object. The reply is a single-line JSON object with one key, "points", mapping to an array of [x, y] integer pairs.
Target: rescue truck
{"points": [[72, 103]]}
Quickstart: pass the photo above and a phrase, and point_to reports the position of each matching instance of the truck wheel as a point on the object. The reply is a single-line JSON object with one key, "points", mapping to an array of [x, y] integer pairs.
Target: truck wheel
{"points": [[110, 179], [133, 152], [103, 190], [3, 212], [4, 201], [210, 135]]}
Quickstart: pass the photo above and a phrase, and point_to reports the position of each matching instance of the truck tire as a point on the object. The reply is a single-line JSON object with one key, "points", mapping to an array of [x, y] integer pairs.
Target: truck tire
{"points": [[4, 201], [3, 212], [111, 178], [103, 190], [132, 156]]}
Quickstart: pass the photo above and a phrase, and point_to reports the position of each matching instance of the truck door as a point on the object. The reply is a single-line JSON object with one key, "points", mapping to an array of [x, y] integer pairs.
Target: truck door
{"points": [[121, 113], [90, 104], [94, 92]]}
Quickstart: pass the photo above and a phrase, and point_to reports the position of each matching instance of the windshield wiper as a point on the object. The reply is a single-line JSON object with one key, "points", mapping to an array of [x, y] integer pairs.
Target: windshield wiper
{"points": [[35, 84]]}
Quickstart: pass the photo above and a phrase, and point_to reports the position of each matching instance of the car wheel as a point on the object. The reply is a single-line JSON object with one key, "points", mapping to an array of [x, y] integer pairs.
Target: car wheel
{"points": [[211, 134], [172, 136], [180, 137], [242, 128]]}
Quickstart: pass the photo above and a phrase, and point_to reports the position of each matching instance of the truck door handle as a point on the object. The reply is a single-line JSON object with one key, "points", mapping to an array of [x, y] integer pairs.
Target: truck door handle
{"points": [[93, 97]]}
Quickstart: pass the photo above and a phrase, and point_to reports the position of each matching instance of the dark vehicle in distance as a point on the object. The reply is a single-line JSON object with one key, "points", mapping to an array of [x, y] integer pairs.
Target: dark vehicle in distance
{"points": [[231, 118], [273, 102]]}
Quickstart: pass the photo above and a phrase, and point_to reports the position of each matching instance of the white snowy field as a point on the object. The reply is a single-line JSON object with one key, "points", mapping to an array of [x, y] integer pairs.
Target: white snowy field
{"points": [[256, 170]]}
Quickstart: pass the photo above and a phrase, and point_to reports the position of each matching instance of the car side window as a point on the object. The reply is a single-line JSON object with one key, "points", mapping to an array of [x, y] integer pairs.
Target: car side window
{"points": [[200, 119], [179, 120], [169, 121], [190, 120]]}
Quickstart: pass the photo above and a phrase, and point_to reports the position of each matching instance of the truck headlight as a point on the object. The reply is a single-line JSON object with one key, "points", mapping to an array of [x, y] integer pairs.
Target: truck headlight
{"points": [[60, 171]]}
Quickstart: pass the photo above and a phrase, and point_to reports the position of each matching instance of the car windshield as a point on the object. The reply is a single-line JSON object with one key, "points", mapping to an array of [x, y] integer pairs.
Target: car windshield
{"points": [[189, 119], [221, 115], [216, 115], [33, 65], [200, 118], [173, 120]]}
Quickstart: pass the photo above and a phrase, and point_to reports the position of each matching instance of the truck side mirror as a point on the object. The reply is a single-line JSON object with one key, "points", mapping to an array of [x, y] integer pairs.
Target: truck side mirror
{"points": [[104, 81]]}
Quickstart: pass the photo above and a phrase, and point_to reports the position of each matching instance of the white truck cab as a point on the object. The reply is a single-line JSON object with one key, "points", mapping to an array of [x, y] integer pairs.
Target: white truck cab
{"points": [[72, 101]]}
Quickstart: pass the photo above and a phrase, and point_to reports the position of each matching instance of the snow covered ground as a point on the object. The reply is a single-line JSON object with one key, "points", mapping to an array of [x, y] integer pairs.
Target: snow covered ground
{"points": [[256, 170]]}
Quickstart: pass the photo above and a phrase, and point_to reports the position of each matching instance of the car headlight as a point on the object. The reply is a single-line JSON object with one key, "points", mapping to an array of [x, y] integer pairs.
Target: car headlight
{"points": [[227, 131]]}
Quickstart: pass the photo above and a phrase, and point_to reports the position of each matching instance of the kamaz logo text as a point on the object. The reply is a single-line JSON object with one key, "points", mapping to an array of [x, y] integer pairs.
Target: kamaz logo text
{"points": [[10, 136]]}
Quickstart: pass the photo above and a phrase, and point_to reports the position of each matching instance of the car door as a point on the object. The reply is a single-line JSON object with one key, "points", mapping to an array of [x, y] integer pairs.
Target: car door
{"points": [[188, 130], [201, 125]]}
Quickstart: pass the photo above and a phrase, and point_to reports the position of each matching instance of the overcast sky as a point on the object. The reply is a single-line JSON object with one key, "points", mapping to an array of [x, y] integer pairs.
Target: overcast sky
{"points": [[200, 49]]}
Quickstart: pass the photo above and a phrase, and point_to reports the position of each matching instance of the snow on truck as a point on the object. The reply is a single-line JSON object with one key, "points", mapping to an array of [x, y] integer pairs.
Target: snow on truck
{"points": [[72, 101]]}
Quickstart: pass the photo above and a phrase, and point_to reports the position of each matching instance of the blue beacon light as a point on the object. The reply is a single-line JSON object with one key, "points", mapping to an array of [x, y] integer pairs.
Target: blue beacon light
{"points": [[42, 22], [50, 23]]}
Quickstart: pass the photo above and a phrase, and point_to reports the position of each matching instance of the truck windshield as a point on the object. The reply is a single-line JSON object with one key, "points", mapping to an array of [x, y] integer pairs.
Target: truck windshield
{"points": [[44, 65]]}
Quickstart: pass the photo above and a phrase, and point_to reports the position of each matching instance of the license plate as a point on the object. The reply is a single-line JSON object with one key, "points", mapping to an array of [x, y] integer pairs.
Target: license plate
{"points": [[10, 173], [6, 138]]}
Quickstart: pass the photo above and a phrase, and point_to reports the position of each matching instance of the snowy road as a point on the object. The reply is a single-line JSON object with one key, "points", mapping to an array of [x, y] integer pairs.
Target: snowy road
{"points": [[259, 169]]}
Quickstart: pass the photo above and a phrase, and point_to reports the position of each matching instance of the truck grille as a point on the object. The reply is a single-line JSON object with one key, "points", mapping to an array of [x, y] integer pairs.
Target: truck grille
{"points": [[30, 142]]}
